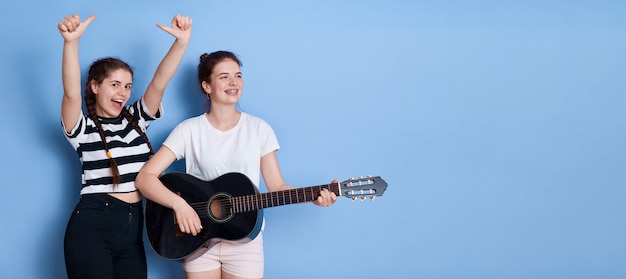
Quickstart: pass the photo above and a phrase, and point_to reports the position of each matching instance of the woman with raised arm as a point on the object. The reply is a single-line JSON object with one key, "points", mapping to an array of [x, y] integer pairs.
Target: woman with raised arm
{"points": [[104, 235]]}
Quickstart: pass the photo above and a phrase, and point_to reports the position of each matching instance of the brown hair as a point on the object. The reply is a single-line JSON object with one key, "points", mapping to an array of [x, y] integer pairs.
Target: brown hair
{"points": [[207, 64]]}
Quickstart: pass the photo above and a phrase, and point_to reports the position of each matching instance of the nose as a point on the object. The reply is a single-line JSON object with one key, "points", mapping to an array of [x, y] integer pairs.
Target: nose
{"points": [[232, 81], [125, 91]]}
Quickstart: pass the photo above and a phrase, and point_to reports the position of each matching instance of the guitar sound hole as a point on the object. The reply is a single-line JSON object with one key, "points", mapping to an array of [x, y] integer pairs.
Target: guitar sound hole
{"points": [[220, 208]]}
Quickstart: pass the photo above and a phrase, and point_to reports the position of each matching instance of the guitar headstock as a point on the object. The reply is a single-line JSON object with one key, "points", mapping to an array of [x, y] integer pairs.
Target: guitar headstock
{"points": [[363, 187]]}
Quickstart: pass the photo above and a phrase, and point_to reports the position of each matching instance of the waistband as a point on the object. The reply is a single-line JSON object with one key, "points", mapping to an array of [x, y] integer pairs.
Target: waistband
{"points": [[111, 201]]}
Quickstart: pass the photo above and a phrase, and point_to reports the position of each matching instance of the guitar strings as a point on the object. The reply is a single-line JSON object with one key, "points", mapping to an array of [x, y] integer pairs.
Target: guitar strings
{"points": [[245, 203]]}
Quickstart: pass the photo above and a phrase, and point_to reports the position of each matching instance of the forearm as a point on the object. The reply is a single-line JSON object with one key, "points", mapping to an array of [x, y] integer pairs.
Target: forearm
{"points": [[71, 104], [153, 189], [70, 70], [163, 74], [168, 66], [279, 187]]}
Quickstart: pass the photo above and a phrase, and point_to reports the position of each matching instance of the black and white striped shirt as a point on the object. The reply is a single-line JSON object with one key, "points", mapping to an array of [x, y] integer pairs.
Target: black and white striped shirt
{"points": [[126, 145]]}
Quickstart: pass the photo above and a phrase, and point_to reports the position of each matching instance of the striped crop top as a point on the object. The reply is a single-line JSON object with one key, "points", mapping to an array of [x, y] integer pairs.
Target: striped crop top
{"points": [[126, 145]]}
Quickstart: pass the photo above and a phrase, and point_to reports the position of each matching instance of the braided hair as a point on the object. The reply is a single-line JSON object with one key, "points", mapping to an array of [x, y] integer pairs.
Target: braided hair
{"points": [[98, 71]]}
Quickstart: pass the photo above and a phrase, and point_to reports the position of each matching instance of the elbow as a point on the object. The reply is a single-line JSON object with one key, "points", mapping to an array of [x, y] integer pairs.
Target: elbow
{"points": [[140, 180]]}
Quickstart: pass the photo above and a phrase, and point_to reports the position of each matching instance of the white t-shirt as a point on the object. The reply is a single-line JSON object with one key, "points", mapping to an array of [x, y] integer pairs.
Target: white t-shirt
{"points": [[210, 153]]}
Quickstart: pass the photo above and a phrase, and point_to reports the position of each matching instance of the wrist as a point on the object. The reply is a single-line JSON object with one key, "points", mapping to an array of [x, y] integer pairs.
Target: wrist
{"points": [[178, 202]]}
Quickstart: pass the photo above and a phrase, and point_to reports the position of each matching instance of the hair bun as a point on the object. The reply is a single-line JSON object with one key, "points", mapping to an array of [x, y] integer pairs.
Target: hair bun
{"points": [[204, 56]]}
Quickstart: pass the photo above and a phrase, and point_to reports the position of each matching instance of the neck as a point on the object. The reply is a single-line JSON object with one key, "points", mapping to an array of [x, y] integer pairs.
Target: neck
{"points": [[223, 119]]}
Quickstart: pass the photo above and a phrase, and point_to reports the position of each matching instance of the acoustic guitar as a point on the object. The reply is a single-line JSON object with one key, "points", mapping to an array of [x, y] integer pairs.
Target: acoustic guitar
{"points": [[231, 208]]}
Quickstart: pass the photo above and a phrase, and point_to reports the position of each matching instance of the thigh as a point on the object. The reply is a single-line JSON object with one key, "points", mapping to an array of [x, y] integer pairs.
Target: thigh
{"points": [[131, 263], [87, 255], [230, 259], [243, 260], [212, 274], [130, 256], [204, 260]]}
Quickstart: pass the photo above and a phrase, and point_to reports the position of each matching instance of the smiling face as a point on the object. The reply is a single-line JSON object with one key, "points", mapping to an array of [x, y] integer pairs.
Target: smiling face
{"points": [[226, 83], [112, 93]]}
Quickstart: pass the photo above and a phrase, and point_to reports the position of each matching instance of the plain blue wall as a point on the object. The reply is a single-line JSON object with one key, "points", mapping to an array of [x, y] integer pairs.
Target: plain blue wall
{"points": [[499, 126]]}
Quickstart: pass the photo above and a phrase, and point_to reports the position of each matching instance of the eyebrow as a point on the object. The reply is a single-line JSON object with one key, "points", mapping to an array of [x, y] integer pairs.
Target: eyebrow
{"points": [[119, 81]]}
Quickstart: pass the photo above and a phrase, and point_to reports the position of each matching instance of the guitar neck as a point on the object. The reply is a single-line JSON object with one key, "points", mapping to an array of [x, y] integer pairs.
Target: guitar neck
{"points": [[278, 198]]}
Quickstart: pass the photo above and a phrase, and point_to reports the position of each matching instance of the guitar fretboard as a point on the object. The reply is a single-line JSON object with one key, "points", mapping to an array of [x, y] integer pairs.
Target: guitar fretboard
{"points": [[278, 198]]}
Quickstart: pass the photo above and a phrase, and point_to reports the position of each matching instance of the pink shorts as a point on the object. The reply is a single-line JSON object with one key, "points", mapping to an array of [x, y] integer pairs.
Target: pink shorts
{"points": [[239, 259]]}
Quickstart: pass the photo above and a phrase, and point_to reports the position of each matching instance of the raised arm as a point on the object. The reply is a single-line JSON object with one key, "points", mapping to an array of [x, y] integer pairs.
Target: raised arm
{"points": [[181, 30], [71, 29]]}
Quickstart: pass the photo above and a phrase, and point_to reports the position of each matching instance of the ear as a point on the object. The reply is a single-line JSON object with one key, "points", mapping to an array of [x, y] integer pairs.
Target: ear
{"points": [[94, 86], [205, 87]]}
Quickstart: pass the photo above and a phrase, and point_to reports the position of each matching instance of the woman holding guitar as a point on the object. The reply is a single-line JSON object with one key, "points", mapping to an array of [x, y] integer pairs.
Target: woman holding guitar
{"points": [[104, 235], [223, 140]]}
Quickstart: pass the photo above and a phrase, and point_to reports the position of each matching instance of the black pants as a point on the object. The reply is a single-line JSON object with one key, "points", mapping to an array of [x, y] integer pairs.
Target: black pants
{"points": [[104, 239]]}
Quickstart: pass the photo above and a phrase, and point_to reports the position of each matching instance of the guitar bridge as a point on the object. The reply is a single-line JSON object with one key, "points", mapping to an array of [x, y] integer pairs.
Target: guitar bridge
{"points": [[177, 228]]}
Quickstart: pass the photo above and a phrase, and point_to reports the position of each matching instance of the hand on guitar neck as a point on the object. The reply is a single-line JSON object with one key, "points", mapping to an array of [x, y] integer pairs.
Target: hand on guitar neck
{"points": [[326, 197]]}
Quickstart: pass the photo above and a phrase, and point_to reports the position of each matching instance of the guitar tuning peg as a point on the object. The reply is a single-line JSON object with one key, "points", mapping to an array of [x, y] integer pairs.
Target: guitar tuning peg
{"points": [[353, 198], [372, 197], [362, 198]]}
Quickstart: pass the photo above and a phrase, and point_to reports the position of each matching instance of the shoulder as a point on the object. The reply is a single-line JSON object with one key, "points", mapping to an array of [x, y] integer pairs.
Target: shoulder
{"points": [[193, 121], [256, 125], [253, 120], [185, 129]]}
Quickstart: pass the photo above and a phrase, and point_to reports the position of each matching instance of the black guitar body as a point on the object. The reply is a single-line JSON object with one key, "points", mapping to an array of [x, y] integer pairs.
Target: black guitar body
{"points": [[163, 232]]}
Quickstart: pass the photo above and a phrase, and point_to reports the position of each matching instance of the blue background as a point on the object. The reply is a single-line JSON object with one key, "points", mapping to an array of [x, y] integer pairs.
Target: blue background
{"points": [[499, 126]]}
